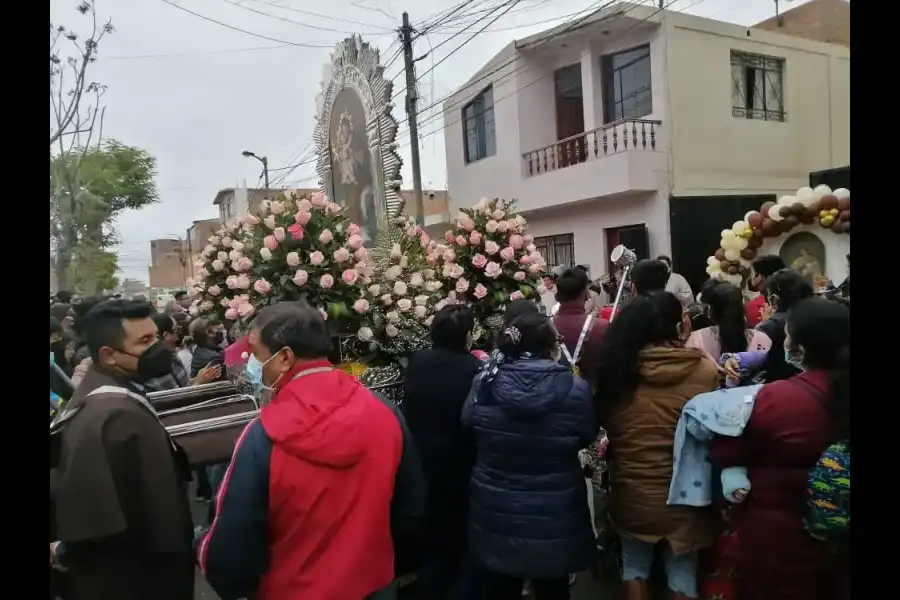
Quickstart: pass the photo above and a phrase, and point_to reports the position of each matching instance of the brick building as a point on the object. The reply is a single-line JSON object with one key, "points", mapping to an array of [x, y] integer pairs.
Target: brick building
{"points": [[195, 240], [817, 20], [168, 263]]}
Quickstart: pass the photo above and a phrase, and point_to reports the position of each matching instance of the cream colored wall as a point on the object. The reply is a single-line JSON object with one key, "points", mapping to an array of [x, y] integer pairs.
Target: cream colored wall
{"points": [[716, 153]]}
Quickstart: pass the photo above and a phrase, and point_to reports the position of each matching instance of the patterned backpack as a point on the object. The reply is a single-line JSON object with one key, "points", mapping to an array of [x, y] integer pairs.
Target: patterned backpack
{"points": [[828, 518]]}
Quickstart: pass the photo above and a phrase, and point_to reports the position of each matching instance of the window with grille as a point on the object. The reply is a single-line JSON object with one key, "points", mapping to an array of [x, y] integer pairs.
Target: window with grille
{"points": [[557, 250], [757, 87], [627, 86], [478, 127]]}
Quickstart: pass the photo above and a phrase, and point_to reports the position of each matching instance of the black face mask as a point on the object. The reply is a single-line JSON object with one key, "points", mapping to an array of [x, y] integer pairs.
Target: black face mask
{"points": [[156, 361], [219, 338]]}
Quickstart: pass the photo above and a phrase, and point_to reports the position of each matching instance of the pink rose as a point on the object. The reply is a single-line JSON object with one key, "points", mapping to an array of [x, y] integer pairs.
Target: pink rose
{"points": [[341, 255], [493, 270], [479, 261], [279, 234], [528, 238], [302, 218], [301, 277], [519, 275], [501, 226], [516, 241], [316, 258], [424, 240], [326, 236], [244, 264], [262, 286], [361, 306], [324, 314], [526, 260], [276, 208], [461, 285], [516, 295], [214, 290], [475, 238], [491, 248], [353, 229], [231, 314], [270, 222], [270, 242], [326, 281], [231, 282], [449, 255], [461, 240], [512, 225], [243, 281], [499, 214], [245, 310], [350, 276], [296, 231], [304, 205], [333, 208], [293, 259], [319, 199], [508, 253], [467, 224], [492, 226], [480, 291], [431, 259], [449, 236], [360, 254], [355, 242], [250, 219]]}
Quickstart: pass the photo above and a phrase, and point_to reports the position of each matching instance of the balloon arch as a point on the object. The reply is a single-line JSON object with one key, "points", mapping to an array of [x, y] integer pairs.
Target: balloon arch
{"points": [[740, 244]]}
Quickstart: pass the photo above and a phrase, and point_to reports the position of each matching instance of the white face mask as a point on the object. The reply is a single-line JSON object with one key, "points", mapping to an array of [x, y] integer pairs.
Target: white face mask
{"points": [[255, 373]]}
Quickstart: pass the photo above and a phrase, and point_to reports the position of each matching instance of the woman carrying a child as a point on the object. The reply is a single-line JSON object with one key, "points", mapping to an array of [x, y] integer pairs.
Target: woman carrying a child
{"points": [[792, 423], [645, 376]]}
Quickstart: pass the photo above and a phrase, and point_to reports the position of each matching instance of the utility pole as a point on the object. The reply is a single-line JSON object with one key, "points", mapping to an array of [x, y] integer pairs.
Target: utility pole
{"points": [[412, 98], [265, 163]]}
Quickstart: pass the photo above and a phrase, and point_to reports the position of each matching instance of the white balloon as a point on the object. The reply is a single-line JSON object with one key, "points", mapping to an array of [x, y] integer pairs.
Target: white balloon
{"points": [[747, 216], [821, 190], [739, 227], [712, 260], [774, 214], [727, 234], [732, 254], [740, 243], [807, 200], [841, 193], [786, 200], [744, 262], [803, 192], [716, 268], [709, 270], [734, 279]]}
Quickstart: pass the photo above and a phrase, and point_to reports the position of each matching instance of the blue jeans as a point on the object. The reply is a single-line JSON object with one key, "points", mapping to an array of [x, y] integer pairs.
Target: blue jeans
{"points": [[681, 570]]}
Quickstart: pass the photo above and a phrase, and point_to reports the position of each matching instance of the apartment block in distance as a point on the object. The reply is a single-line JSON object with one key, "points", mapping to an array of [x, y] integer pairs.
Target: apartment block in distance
{"points": [[195, 240], [168, 263], [607, 128]]}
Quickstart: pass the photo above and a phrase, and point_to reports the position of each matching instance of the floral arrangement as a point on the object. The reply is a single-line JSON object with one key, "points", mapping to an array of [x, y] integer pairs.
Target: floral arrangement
{"points": [[403, 298], [305, 249], [225, 275], [487, 259]]}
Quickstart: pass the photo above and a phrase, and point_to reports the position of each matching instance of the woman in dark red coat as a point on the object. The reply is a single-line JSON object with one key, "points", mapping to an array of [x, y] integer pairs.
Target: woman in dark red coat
{"points": [[793, 422]]}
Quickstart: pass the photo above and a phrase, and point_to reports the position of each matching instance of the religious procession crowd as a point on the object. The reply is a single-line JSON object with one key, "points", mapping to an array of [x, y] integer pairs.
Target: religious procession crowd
{"points": [[699, 440]]}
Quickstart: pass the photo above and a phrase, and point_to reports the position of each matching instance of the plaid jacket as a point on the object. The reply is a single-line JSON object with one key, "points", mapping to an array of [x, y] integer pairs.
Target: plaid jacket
{"points": [[176, 379]]}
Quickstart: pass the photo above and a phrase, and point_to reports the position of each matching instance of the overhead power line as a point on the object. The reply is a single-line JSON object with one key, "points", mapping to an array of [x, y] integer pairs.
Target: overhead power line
{"points": [[321, 16], [297, 23]]}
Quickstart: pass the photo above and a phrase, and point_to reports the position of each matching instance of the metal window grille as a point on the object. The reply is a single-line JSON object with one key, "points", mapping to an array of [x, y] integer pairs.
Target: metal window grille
{"points": [[757, 87], [557, 250], [478, 127]]}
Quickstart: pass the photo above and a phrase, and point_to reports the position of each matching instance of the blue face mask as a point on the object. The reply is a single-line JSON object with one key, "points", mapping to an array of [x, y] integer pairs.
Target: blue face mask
{"points": [[254, 371], [793, 360]]}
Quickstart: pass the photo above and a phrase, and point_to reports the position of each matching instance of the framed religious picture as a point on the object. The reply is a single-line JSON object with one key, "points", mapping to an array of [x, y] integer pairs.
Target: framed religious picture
{"points": [[804, 252]]}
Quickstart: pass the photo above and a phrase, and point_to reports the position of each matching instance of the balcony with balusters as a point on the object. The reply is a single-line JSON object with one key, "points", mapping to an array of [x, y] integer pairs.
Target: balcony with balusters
{"points": [[618, 158]]}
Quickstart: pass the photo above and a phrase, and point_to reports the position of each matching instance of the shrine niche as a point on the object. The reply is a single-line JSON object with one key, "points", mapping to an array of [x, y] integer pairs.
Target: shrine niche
{"points": [[357, 159]]}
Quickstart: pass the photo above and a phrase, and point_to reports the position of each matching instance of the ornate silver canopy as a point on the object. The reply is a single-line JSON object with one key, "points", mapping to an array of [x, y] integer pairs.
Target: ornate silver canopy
{"points": [[354, 66]]}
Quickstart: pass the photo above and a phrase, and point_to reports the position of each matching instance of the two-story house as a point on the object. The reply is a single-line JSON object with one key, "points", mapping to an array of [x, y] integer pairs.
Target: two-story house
{"points": [[633, 122]]}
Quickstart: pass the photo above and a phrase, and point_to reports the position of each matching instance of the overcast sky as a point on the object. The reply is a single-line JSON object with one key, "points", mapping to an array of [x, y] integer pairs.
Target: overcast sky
{"points": [[194, 93]]}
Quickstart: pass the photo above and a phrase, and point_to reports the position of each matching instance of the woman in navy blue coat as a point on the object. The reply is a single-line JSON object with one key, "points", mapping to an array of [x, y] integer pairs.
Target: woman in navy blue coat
{"points": [[529, 516]]}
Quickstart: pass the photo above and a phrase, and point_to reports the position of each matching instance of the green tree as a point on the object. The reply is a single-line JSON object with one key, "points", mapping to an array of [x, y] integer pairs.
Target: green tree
{"points": [[89, 188]]}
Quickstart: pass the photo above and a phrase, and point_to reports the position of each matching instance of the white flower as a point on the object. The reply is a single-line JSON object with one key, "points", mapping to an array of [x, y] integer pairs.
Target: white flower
{"points": [[392, 316], [421, 300], [400, 288], [391, 331], [404, 262], [433, 286], [421, 311], [375, 290], [416, 280], [208, 250], [396, 252], [365, 334], [404, 304], [266, 254], [441, 304], [214, 240], [222, 255], [429, 320], [392, 273], [428, 274], [387, 300]]}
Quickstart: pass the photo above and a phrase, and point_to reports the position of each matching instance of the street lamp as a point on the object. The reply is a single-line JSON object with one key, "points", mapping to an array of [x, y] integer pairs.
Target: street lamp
{"points": [[263, 160]]}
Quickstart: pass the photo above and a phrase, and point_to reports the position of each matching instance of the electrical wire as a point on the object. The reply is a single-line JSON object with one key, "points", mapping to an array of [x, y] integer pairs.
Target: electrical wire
{"points": [[298, 23], [320, 15], [244, 31]]}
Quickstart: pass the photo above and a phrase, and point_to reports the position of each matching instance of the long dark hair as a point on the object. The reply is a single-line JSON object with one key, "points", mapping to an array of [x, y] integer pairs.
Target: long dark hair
{"points": [[821, 328], [530, 333], [726, 311], [647, 320]]}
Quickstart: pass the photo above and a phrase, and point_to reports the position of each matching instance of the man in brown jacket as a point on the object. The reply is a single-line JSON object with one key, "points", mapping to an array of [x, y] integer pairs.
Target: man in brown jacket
{"points": [[581, 331]]}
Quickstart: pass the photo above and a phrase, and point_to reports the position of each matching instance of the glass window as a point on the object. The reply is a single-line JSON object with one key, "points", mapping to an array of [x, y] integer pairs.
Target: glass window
{"points": [[479, 128], [627, 85], [757, 87]]}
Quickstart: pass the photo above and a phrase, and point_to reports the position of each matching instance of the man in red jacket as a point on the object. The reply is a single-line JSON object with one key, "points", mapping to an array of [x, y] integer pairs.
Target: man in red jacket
{"points": [[581, 332], [318, 484]]}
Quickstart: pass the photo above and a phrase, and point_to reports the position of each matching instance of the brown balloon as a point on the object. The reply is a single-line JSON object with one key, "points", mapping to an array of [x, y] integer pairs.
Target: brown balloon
{"points": [[769, 227], [806, 218], [784, 211], [748, 253], [733, 270], [837, 227], [720, 254], [725, 265], [754, 219], [815, 208], [797, 209], [789, 222], [843, 203], [830, 201], [844, 215], [755, 240], [764, 209]]}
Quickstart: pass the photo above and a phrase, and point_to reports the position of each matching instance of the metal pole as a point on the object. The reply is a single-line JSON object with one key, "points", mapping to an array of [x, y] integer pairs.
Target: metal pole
{"points": [[411, 99], [265, 162]]}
